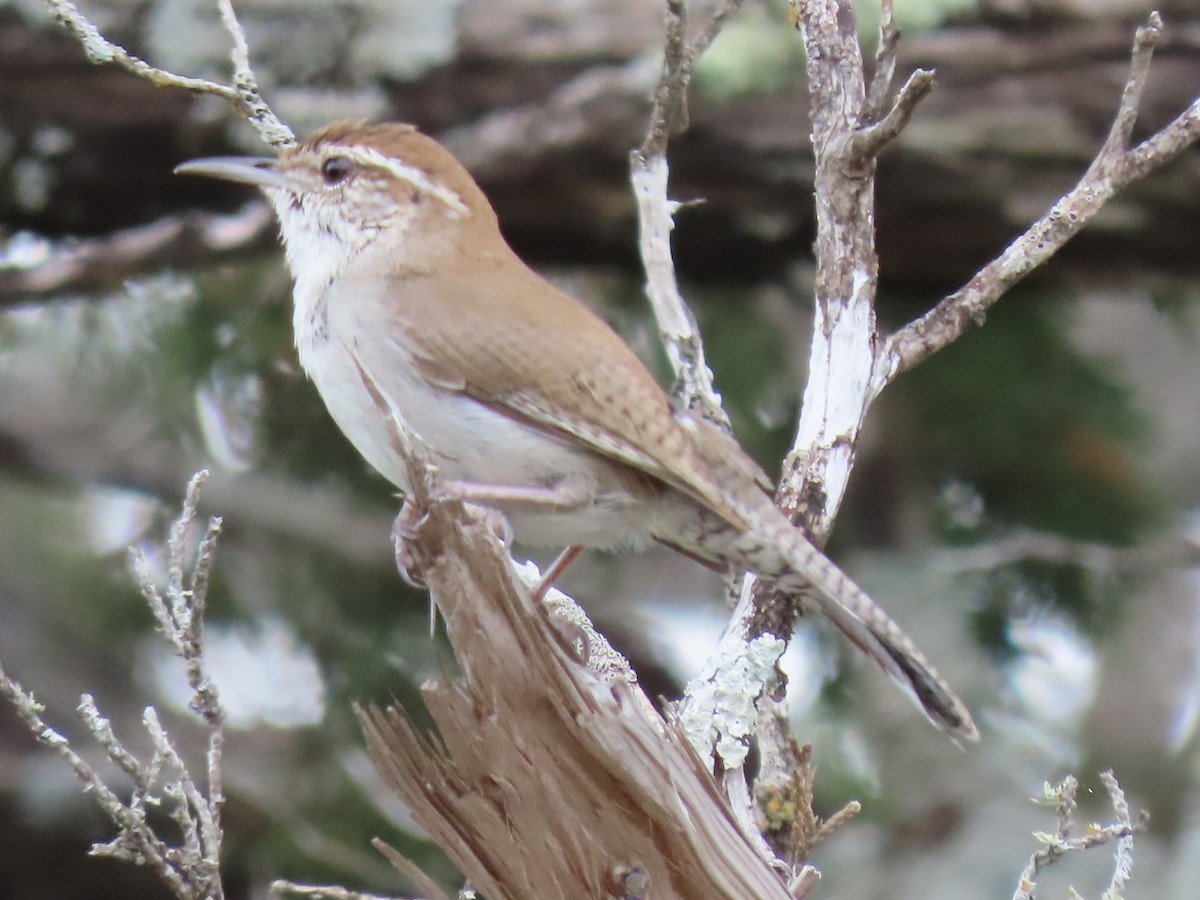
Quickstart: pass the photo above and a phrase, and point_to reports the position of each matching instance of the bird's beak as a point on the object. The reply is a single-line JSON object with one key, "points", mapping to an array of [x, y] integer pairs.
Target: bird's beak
{"points": [[260, 171]]}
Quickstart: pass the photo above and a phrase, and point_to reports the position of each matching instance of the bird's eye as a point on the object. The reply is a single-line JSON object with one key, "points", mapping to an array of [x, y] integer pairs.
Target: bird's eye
{"points": [[335, 169]]}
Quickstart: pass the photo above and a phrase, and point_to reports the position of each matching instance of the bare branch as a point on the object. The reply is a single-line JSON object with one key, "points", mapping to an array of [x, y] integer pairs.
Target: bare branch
{"points": [[263, 120], [1114, 168], [1163, 146], [100, 50], [192, 868], [1145, 40], [177, 241], [282, 888], [838, 390], [649, 174], [885, 65], [869, 140], [717, 21], [243, 94], [668, 113], [1173, 552], [677, 327]]}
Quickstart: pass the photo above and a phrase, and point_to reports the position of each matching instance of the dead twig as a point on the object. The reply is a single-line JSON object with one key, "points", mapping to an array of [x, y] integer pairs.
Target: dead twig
{"points": [[1171, 552], [243, 93], [1058, 845], [87, 264], [1115, 167], [190, 868]]}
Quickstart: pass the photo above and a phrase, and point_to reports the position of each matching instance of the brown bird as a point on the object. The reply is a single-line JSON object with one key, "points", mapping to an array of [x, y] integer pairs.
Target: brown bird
{"points": [[527, 401]]}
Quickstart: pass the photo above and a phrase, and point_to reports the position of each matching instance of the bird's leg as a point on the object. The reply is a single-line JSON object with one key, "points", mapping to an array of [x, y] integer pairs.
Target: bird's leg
{"points": [[553, 573], [489, 497], [404, 530], [561, 496]]}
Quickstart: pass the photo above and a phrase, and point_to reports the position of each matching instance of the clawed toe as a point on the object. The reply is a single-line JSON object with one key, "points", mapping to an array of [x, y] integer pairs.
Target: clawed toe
{"points": [[404, 531]]}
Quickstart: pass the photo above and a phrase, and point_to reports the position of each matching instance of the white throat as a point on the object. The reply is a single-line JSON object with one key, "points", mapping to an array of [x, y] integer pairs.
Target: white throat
{"points": [[319, 244]]}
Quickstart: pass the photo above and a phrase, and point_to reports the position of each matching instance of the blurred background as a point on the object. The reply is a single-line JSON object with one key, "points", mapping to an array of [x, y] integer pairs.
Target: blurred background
{"points": [[1025, 503]]}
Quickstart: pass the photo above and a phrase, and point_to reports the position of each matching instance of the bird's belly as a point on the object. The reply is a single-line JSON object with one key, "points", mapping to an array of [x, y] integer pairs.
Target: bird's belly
{"points": [[474, 444]]}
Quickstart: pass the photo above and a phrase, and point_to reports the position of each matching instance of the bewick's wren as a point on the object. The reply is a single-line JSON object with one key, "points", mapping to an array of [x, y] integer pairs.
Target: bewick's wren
{"points": [[528, 402]]}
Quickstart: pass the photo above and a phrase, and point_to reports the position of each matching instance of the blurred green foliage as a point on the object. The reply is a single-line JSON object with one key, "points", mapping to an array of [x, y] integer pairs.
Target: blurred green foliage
{"points": [[1049, 438]]}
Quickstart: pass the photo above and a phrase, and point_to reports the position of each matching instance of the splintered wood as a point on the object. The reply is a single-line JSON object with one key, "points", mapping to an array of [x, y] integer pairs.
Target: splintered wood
{"points": [[546, 780]]}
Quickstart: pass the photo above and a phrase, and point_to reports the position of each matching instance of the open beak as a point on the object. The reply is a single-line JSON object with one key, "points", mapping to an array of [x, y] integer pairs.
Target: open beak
{"points": [[260, 171]]}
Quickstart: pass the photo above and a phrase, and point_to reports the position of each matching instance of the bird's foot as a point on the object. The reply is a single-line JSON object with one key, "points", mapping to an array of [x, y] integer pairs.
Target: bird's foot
{"points": [[404, 532]]}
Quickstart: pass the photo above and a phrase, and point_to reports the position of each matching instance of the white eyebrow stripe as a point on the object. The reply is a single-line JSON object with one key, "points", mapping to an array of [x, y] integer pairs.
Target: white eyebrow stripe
{"points": [[368, 156]]}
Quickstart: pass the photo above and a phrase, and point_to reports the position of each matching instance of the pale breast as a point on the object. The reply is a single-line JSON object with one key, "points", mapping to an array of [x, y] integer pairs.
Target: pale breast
{"points": [[469, 441]]}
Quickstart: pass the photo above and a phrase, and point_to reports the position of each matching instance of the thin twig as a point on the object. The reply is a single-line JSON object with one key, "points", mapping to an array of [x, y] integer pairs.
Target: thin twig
{"points": [[885, 65], [1173, 552], [716, 22], [100, 50], [101, 728], [668, 113], [281, 888], [90, 263], [261, 118], [134, 831], [869, 140], [1145, 41], [1061, 843], [190, 866], [180, 614], [243, 94], [1123, 855]]}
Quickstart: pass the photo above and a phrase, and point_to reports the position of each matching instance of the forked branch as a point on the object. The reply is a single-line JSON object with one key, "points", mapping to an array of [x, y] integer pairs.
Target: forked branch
{"points": [[243, 93], [191, 866], [1116, 166], [1065, 841]]}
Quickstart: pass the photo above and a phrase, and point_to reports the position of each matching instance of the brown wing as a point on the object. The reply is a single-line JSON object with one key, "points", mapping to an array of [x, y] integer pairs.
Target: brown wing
{"points": [[553, 363]]}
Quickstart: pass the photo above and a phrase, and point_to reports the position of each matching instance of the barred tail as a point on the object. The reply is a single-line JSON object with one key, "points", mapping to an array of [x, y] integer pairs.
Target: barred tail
{"points": [[810, 574]]}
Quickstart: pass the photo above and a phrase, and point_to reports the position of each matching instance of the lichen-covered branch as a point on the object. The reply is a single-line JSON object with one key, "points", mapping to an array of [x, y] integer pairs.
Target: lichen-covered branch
{"points": [[1064, 841], [849, 362], [191, 867], [849, 130]]}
